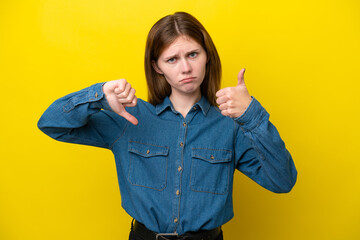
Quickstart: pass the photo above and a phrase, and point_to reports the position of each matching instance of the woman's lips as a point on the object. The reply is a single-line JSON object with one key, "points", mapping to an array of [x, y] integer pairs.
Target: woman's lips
{"points": [[189, 79]]}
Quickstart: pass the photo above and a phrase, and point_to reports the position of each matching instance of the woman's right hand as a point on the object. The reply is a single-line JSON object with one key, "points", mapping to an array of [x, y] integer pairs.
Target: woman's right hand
{"points": [[119, 95]]}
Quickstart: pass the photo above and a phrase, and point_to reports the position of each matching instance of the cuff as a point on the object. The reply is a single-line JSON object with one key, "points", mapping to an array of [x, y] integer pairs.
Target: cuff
{"points": [[252, 116], [97, 97]]}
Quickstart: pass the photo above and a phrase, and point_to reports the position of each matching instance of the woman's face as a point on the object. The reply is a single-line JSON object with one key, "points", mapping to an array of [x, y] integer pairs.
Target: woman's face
{"points": [[183, 63]]}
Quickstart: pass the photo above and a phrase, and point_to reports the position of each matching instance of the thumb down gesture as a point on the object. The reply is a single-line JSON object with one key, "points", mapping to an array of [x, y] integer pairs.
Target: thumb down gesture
{"points": [[233, 101], [119, 95]]}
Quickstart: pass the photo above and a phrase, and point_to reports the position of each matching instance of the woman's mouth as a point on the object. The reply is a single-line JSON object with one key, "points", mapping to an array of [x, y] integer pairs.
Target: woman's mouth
{"points": [[188, 79]]}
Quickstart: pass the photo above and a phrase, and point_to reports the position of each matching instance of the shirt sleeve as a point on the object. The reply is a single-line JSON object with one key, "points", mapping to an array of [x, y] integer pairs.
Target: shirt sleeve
{"points": [[83, 117], [261, 153]]}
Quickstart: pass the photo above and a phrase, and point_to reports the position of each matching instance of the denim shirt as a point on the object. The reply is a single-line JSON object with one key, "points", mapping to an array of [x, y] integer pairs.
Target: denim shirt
{"points": [[175, 174]]}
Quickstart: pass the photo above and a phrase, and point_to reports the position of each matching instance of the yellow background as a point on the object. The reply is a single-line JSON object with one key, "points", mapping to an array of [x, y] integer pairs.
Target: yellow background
{"points": [[302, 63]]}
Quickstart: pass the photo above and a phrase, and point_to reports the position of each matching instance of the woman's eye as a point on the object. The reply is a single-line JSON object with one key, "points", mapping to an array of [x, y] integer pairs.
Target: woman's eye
{"points": [[193, 54], [171, 60]]}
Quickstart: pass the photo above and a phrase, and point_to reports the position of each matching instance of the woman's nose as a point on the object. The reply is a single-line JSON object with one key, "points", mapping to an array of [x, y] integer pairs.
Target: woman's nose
{"points": [[185, 66]]}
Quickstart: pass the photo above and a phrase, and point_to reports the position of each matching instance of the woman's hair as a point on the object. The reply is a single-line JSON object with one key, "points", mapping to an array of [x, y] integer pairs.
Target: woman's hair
{"points": [[161, 35]]}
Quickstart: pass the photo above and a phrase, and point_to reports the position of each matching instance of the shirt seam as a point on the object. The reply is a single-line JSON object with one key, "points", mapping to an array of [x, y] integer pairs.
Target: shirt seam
{"points": [[118, 138]]}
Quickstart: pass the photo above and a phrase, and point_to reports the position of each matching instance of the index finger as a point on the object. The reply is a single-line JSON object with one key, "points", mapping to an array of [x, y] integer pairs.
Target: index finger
{"points": [[221, 92]]}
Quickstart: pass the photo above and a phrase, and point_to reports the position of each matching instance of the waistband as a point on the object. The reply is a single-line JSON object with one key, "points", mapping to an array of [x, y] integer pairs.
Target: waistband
{"points": [[140, 229]]}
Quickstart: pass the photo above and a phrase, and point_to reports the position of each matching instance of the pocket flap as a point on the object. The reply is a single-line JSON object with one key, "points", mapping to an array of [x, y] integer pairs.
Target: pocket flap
{"points": [[147, 150], [212, 155]]}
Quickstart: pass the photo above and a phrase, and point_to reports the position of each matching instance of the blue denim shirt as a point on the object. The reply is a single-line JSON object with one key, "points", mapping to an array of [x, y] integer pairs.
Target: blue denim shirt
{"points": [[176, 174]]}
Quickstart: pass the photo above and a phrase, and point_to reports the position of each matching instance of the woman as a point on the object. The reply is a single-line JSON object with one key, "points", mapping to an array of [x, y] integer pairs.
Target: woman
{"points": [[176, 154]]}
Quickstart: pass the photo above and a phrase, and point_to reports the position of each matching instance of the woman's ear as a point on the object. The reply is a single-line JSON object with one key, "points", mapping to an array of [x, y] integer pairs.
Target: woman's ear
{"points": [[155, 66]]}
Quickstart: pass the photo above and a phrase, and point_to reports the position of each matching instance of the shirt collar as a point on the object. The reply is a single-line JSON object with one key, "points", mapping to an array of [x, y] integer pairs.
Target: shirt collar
{"points": [[203, 104]]}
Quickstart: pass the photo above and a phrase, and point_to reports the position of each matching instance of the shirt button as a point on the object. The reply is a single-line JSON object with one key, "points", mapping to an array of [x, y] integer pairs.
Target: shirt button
{"points": [[181, 144], [176, 220], [148, 151], [96, 95], [177, 192], [184, 124], [179, 168], [212, 157], [194, 108]]}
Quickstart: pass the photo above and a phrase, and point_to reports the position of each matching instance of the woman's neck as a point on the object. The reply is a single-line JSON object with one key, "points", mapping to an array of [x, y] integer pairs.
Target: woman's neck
{"points": [[184, 102]]}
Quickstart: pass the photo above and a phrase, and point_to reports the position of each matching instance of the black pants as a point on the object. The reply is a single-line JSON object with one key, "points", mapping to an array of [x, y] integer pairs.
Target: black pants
{"points": [[133, 236]]}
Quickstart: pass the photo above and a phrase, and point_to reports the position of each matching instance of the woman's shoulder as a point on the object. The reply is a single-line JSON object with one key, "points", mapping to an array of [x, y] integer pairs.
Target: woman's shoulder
{"points": [[142, 106], [143, 103]]}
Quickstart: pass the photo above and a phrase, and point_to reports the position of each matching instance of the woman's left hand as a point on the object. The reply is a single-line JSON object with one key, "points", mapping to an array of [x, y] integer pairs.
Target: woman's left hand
{"points": [[233, 101]]}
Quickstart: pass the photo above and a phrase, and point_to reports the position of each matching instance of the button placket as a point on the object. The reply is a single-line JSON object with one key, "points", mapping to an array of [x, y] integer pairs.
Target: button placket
{"points": [[179, 170]]}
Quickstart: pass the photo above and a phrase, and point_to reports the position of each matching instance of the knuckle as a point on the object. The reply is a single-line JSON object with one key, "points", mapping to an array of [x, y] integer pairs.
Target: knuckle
{"points": [[122, 84]]}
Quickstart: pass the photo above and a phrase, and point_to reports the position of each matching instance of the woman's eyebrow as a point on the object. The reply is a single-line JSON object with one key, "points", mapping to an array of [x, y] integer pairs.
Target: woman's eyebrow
{"points": [[176, 55], [171, 56], [195, 50]]}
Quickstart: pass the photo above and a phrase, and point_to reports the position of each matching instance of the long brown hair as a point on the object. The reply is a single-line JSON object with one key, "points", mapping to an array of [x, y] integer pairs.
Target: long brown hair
{"points": [[161, 35]]}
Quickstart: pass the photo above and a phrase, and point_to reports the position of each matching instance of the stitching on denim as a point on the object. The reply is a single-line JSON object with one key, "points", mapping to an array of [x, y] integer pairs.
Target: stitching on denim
{"points": [[133, 150], [157, 189], [257, 150], [122, 134], [213, 161], [209, 160], [90, 143], [163, 185], [200, 188], [215, 149], [181, 174], [236, 126], [76, 100], [262, 118], [148, 144]]}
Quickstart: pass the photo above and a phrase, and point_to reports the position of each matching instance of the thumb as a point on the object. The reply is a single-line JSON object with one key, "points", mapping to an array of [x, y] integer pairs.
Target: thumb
{"points": [[128, 116], [241, 77]]}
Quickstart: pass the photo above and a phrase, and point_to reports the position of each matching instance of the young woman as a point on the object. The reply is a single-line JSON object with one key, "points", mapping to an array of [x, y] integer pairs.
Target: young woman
{"points": [[176, 154]]}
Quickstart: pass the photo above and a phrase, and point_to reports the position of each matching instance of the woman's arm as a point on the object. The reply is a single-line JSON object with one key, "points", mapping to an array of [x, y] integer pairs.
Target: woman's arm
{"points": [[260, 152], [87, 117]]}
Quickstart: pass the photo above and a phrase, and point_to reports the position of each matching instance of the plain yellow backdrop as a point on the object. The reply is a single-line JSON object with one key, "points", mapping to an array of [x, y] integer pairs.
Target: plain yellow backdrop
{"points": [[302, 63]]}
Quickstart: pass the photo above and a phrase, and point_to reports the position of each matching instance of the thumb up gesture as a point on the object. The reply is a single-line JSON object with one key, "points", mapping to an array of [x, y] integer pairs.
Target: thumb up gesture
{"points": [[233, 101], [119, 95]]}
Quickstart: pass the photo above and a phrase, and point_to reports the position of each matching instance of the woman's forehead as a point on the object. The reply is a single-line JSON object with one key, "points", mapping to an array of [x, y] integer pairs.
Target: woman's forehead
{"points": [[181, 43]]}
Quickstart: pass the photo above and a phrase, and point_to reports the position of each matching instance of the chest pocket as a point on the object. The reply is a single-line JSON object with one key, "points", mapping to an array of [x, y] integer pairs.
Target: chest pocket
{"points": [[210, 170], [147, 165]]}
